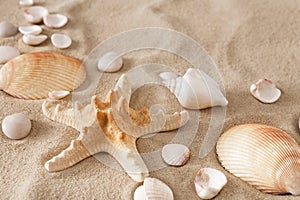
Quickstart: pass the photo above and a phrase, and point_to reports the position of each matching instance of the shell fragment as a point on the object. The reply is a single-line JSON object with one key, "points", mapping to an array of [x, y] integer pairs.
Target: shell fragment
{"points": [[175, 154], [209, 182], [265, 91], [34, 39], [56, 95], [61, 41], [55, 20], [26, 2], [35, 14], [33, 30]]}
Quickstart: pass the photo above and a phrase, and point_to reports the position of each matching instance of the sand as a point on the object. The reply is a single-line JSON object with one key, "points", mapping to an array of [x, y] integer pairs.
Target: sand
{"points": [[248, 40]]}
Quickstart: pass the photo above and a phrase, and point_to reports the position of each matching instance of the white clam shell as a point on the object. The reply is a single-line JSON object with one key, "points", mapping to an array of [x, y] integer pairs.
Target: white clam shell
{"points": [[110, 62], [175, 154], [196, 90], [156, 189], [33, 30], [16, 126], [34, 39], [26, 2], [140, 193], [168, 75], [35, 14], [7, 29], [209, 182], [56, 95], [61, 41], [7, 53], [55, 20], [265, 91]]}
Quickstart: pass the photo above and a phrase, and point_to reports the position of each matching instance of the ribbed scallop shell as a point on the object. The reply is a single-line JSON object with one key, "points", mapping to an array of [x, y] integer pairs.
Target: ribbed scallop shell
{"points": [[34, 75], [264, 156]]}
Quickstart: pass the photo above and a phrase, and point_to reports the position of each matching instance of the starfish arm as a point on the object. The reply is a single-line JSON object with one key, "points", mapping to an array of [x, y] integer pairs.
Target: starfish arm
{"points": [[131, 162], [76, 118], [68, 157]]}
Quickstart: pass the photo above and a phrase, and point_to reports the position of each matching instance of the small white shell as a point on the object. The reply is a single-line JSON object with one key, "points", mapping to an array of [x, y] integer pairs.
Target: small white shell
{"points": [[175, 154], [61, 41], [265, 91], [16, 126], [7, 29], [168, 75], [196, 90], [156, 189], [60, 94], [209, 182], [55, 20], [35, 14], [110, 62], [140, 193], [33, 30], [26, 2], [7, 53], [34, 39]]}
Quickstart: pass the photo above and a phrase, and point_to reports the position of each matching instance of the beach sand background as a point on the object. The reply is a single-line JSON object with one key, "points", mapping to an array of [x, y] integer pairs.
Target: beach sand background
{"points": [[248, 40]]}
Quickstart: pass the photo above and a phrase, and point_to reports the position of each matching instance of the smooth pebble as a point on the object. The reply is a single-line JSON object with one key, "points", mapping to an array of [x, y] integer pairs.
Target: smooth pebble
{"points": [[26, 2], [7, 29], [7, 53], [16, 126], [110, 62]]}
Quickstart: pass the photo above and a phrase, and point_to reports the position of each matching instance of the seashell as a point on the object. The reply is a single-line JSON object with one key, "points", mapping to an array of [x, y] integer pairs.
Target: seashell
{"points": [[34, 39], [16, 126], [110, 62], [33, 75], [209, 182], [168, 75], [175, 154], [196, 90], [265, 91], [26, 2], [7, 29], [153, 189], [35, 14], [61, 41], [140, 193], [55, 20], [56, 95], [33, 30], [7, 53], [265, 157]]}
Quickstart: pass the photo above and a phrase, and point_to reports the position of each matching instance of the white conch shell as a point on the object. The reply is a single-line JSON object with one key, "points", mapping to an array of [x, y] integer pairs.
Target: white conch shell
{"points": [[196, 90], [265, 91], [55, 20], [33, 30], [264, 156], [58, 94], [34, 39], [61, 41], [153, 189], [35, 14], [175, 154]]}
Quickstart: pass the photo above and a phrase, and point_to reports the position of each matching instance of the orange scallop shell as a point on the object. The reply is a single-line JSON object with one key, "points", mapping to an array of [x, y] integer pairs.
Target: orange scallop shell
{"points": [[34, 75], [264, 156]]}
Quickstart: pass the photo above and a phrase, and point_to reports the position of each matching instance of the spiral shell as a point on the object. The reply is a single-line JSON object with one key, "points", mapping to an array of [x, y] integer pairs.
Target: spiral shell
{"points": [[264, 156], [34, 75]]}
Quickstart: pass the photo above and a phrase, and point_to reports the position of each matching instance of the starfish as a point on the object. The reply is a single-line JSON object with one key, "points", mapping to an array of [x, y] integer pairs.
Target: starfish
{"points": [[110, 126]]}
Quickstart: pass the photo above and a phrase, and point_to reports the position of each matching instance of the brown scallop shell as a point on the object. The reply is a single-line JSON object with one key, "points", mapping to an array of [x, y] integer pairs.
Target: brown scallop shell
{"points": [[264, 156], [34, 75]]}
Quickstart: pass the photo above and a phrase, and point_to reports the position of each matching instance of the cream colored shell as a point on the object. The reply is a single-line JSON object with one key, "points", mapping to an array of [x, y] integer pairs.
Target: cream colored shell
{"points": [[264, 156]]}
